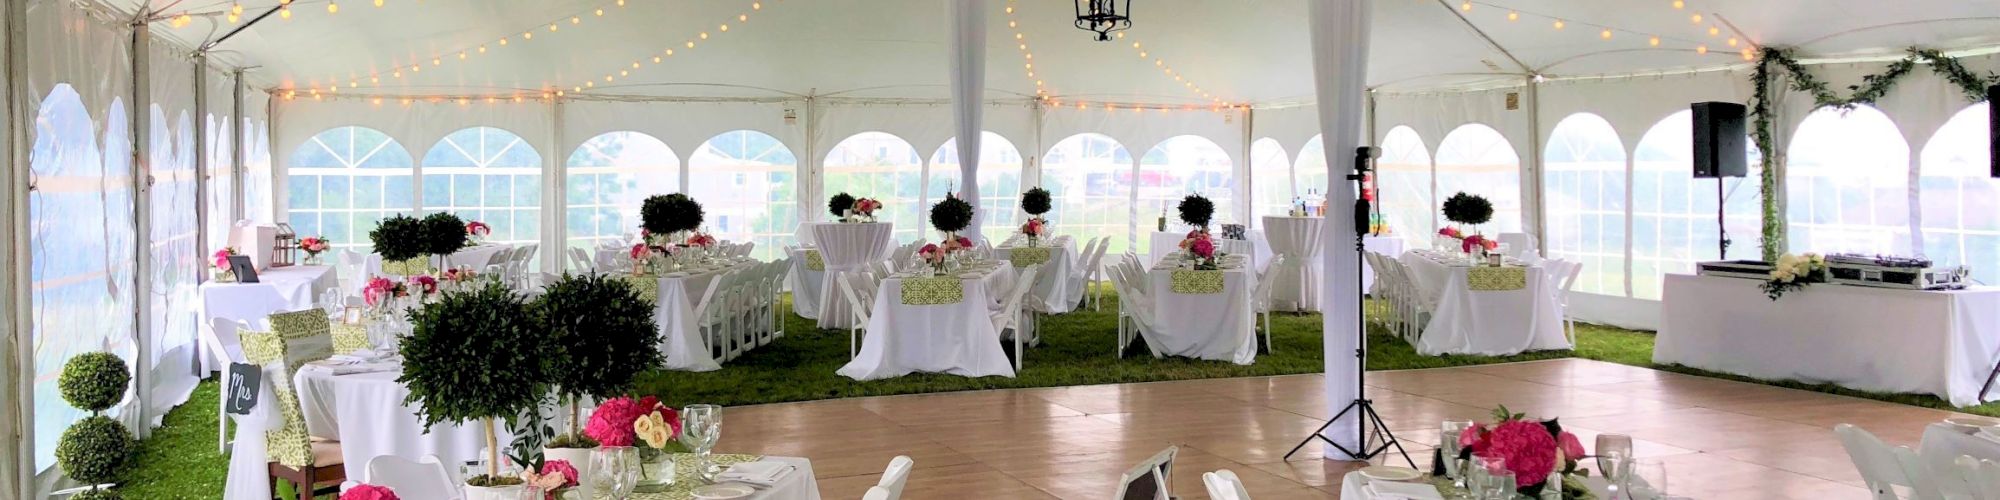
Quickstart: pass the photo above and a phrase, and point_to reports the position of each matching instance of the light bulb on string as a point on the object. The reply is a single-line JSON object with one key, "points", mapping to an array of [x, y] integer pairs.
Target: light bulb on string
{"points": [[285, 13], [600, 12], [233, 17], [1513, 16], [1606, 34], [1696, 19], [1679, 4], [575, 20], [236, 8], [704, 35], [1748, 55], [1465, 6], [332, 8], [724, 27], [1701, 49], [1713, 31], [1559, 24], [1732, 41], [378, 3], [1654, 41]]}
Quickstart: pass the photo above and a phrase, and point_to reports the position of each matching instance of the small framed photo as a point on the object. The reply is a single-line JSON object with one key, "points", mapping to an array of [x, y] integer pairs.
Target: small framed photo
{"points": [[352, 315]]}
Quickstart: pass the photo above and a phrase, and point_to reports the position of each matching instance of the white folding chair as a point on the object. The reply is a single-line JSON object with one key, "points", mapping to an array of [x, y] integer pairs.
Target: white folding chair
{"points": [[1133, 307], [579, 260], [1884, 469], [894, 477], [853, 286], [1087, 259], [1151, 478], [1261, 298], [1224, 485], [1568, 272], [353, 270], [412, 479], [704, 314], [222, 345], [1981, 477], [1009, 315]]}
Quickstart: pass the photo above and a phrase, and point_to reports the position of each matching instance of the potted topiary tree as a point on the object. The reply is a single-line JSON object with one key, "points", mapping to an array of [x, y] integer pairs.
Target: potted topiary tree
{"points": [[402, 242], [475, 355], [601, 336], [444, 234], [1197, 210], [839, 204], [94, 451]]}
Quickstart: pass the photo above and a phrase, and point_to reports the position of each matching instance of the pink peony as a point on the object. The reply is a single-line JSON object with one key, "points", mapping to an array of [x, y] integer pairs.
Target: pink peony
{"points": [[379, 289], [1489, 244], [1572, 449], [1472, 438], [369, 492], [1203, 247], [638, 251], [222, 257], [1472, 241], [561, 467], [964, 242], [1527, 447], [611, 423], [426, 283], [477, 228], [1451, 232]]}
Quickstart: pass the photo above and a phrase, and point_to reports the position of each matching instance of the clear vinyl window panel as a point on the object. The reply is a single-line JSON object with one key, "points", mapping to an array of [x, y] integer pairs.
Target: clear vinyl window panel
{"points": [[221, 181], [173, 246], [607, 178], [1584, 186], [1475, 159], [1403, 187], [1847, 184], [884, 167], [1959, 199], [1673, 213], [1090, 178], [489, 175], [1271, 179], [747, 183], [999, 183], [257, 191], [1185, 165], [342, 182], [1309, 171]]}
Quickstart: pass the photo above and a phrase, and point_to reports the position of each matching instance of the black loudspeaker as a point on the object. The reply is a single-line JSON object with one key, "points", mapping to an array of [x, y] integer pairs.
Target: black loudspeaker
{"points": [[1993, 128], [1720, 140]]}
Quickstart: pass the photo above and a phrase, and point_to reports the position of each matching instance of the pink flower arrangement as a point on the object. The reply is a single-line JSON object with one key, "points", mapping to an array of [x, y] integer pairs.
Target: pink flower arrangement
{"points": [[1470, 242], [555, 475], [1204, 247], [222, 257], [702, 240], [459, 275], [931, 253], [1531, 449], [314, 245], [1451, 232], [1034, 228], [379, 289], [426, 284], [369, 492], [639, 251], [476, 228], [867, 206], [611, 423], [955, 244]]}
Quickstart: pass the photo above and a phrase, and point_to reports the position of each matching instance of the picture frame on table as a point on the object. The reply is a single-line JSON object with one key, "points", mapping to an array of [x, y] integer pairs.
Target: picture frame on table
{"points": [[351, 315]]}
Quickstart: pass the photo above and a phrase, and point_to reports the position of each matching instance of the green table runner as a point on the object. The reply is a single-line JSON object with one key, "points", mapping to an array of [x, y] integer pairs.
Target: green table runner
{"points": [[348, 338], [647, 285], [1191, 282], [814, 262], [942, 290], [684, 476], [1484, 278], [1024, 257]]}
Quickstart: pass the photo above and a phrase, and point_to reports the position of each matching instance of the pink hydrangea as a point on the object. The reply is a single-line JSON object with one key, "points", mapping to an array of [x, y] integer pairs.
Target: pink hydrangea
{"points": [[611, 423], [561, 467], [1203, 247], [1527, 447], [369, 492]]}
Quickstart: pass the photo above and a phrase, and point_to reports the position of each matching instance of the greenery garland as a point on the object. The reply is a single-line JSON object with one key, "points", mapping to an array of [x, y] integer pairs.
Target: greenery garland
{"points": [[1871, 89]]}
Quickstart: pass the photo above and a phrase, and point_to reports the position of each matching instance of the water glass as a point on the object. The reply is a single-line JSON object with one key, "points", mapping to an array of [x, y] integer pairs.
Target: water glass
{"points": [[1647, 479], [1448, 441], [1614, 454], [615, 471], [701, 426], [1499, 485]]}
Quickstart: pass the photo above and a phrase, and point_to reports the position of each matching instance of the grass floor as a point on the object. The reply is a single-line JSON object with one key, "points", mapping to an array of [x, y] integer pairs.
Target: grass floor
{"points": [[179, 461]]}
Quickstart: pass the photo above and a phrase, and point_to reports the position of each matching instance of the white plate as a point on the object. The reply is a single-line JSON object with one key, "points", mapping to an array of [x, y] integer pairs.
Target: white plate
{"points": [[1388, 473], [1972, 423], [724, 491]]}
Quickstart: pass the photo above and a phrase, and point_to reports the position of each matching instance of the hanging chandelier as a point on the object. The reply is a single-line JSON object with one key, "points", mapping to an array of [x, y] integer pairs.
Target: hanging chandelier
{"points": [[1103, 17]]}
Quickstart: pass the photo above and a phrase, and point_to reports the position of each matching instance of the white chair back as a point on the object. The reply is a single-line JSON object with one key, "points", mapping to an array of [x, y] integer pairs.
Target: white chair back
{"points": [[894, 477], [1517, 243], [1262, 296], [221, 342], [1981, 477], [412, 479], [1150, 479], [1884, 469], [1224, 485]]}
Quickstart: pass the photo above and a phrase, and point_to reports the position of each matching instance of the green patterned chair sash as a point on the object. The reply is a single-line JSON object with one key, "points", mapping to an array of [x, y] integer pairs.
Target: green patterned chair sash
{"points": [[348, 337], [407, 267], [1024, 257], [814, 262], [1484, 278], [647, 285], [297, 338], [1186, 281], [941, 290]]}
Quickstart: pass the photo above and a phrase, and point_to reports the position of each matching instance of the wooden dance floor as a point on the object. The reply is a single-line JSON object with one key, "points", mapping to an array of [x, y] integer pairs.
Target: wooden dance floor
{"points": [[1719, 439]]}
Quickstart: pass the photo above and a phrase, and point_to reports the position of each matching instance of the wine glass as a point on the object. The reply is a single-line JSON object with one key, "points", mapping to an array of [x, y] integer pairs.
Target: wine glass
{"points": [[1647, 479], [1448, 441], [615, 470], [329, 301], [701, 425], [1614, 452]]}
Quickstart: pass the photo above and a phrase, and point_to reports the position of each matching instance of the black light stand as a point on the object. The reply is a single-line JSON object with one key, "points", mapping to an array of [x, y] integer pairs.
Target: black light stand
{"points": [[1364, 409]]}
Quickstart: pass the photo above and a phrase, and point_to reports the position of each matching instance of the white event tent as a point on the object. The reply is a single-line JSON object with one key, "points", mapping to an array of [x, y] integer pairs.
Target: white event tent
{"points": [[140, 131]]}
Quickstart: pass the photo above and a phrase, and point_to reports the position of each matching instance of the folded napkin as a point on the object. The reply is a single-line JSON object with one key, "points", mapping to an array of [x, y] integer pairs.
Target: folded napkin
{"points": [[1390, 490], [764, 474]]}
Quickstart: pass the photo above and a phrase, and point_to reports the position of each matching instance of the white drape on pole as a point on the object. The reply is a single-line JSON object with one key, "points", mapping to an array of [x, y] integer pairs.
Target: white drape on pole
{"points": [[1339, 30], [968, 94]]}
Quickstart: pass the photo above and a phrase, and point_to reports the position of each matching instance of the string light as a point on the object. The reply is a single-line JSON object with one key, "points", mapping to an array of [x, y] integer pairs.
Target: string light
{"points": [[625, 69], [1608, 32], [1559, 24], [1465, 6], [332, 8], [1513, 16], [1696, 19], [1678, 5]]}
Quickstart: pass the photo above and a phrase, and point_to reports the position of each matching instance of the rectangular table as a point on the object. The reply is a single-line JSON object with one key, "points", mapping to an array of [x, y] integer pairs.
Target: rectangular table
{"points": [[675, 296], [1056, 291], [278, 289], [957, 338], [1254, 246], [1899, 341], [1220, 326], [1484, 322], [366, 413]]}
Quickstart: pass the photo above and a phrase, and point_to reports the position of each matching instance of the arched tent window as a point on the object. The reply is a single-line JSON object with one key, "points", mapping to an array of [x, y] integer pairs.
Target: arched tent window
{"points": [[489, 175], [1847, 184], [1673, 213], [257, 191], [1961, 203], [999, 182], [1271, 178], [608, 177], [343, 181], [1475, 159], [1090, 178], [884, 167], [1403, 187], [747, 183], [1310, 171], [1584, 178], [1184, 165], [81, 249]]}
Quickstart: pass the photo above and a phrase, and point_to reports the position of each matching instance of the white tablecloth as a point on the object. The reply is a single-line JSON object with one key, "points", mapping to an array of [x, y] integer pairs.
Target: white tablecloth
{"points": [[366, 413], [1943, 443], [1873, 339], [806, 285], [1254, 245], [1295, 285], [958, 339], [681, 339], [1214, 326], [1354, 486], [475, 257], [1485, 322], [799, 485], [1056, 289], [279, 289], [846, 248]]}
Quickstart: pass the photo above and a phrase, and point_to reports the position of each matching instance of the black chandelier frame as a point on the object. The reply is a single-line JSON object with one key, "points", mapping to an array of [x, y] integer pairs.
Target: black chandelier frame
{"points": [[1103, 17]]}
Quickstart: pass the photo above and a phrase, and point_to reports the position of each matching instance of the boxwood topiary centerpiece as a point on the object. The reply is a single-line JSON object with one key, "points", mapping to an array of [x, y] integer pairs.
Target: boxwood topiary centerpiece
{"points": [[444, 234], [399, 238], [1469, 209], [601, 336], [839, 204], [667, 214], [475, 355], [1196, 210], [94, 450], [1035, 202], [951, 215]]}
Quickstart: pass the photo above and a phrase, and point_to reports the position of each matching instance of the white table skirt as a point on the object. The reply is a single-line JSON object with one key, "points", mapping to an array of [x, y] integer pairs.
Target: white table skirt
{"points": [[805, 285], [1899, 341], [1254, 245], [957, 339], [681, 340], [1295, 285], [1057, 290], [1486, 322], [1217, 326], [846, 248], [279, 289], [366, 413]]}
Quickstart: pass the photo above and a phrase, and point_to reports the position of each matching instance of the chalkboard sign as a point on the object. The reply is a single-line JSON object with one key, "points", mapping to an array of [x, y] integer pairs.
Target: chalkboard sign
{"points": [[245, 381], [246, 271]]}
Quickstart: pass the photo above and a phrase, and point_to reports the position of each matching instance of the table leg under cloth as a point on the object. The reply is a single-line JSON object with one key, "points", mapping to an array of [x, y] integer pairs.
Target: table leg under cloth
{"points": [[1486, 322], [846, 248], [681, 340], [956, 339]]}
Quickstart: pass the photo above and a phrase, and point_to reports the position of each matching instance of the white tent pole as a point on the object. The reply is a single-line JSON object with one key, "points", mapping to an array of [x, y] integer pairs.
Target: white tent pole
{"points": [[202, 175], [1531, 180], [238, 148], [555, 199], [1246, 203], [968, 91], [812, 205], [17, 427], [142, 195], [1339, 30]]}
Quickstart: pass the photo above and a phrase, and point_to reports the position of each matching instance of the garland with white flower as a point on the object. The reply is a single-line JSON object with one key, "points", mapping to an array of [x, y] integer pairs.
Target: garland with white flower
{"points": [[1794, 272]]}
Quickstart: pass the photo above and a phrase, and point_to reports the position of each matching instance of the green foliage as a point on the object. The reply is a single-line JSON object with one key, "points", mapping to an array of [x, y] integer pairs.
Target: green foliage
{"points": [[1468, 209], [669, 213], [567, 440], [444, 234], [94, 381], [1197, 210], [839, 204], [94, 450], [1035, 201], [401, 237], [97, 495], [474, 354], [951, 215], [600, 333], [485, 481]]}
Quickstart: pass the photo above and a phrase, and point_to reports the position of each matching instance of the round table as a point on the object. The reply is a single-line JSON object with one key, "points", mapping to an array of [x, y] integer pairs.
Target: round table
{"points": [[1295, 283], [846, 247]]}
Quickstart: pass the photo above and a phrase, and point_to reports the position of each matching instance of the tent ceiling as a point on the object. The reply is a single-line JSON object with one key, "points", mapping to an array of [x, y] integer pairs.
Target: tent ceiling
{"points": [[1238, 51]]}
